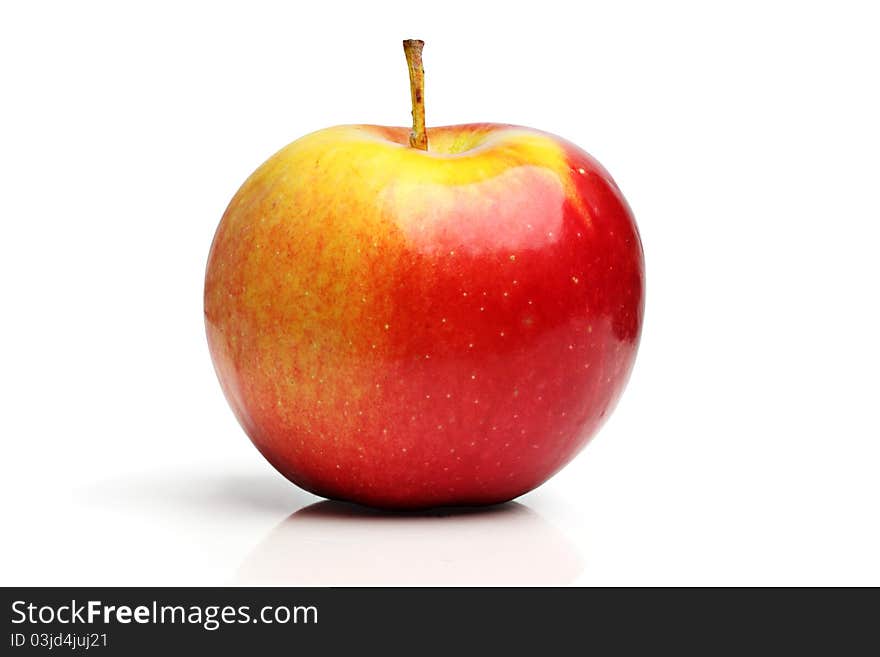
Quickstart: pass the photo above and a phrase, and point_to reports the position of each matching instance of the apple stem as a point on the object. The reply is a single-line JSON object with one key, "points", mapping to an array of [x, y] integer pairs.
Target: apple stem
{"points": [[418, 138]]}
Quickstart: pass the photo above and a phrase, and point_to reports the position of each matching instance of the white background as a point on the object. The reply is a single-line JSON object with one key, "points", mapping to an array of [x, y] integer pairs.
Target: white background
{"points": [[745, 450]]}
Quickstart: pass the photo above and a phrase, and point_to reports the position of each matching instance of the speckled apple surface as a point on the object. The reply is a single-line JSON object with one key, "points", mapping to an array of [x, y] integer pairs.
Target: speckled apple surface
{"points": [[411, 329]]}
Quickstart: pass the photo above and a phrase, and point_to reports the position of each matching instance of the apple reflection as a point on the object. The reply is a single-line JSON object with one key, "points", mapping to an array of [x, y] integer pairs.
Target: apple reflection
{"points": [[337, 544]]}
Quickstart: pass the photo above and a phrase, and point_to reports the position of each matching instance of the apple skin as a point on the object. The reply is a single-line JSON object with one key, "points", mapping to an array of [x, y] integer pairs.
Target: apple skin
{"points": [[410, 329]]}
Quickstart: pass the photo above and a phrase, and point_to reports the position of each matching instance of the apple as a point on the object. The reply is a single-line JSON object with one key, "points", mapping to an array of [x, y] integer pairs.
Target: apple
{"points": [[410, 319]]}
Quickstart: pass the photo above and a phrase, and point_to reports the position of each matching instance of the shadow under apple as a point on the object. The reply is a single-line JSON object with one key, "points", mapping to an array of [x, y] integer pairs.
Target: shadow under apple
{"points": [[338, 544]]}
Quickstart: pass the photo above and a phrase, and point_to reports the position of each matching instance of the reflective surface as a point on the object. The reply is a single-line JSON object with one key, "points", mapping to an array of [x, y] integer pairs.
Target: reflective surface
{"points": [[338, 544], [240, 527]]}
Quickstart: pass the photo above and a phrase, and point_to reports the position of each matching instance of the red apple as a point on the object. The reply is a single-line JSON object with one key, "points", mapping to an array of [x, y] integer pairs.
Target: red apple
{"points": [[410, 328]]}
